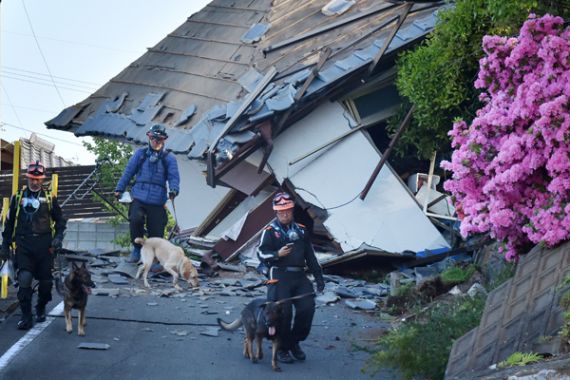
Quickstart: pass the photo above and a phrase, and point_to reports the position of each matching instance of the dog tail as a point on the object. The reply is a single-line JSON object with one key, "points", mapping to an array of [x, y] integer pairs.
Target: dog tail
{"points": [[230, 326], [140, 240]]}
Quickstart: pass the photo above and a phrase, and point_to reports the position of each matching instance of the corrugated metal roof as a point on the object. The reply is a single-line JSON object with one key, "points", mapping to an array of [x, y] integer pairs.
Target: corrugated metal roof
{"points": [[204, 65]]}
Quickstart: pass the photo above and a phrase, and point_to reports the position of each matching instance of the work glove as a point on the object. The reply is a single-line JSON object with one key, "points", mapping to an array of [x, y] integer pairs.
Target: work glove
{"points": [[4, 253], [57, 243], [320, 285], [172, 194]]}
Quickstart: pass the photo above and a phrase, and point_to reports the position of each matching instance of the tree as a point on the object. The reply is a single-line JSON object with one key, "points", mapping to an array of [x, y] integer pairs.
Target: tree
{"points": [[438, 76], [511, 164]]}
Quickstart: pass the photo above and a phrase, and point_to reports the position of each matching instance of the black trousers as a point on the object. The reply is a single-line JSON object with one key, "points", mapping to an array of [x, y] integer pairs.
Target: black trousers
{"points": [[154, 217], [34, 260], [292, 284]]}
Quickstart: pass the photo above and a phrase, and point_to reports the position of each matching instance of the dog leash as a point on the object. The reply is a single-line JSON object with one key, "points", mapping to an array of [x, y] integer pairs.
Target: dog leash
{"points": [[175, 229], [295, 297]]}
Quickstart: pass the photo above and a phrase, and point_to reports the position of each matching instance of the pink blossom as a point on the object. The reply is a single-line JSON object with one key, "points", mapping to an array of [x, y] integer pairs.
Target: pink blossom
{"points": [[511, 165]]}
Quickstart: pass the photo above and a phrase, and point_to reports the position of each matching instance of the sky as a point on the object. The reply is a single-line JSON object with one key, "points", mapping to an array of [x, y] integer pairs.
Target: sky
{"points": [[55, 53]]}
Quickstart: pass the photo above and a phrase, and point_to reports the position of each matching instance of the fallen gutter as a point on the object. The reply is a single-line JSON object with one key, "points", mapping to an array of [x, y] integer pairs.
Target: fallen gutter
{"points": [[401, 18]]}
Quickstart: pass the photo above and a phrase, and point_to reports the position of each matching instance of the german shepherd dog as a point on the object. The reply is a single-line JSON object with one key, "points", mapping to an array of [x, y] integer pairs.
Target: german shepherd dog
{"points": [[77, 288], [259, 318]]}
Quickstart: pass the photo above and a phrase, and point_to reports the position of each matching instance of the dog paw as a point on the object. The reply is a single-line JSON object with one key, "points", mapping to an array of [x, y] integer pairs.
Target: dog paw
{"points": [[69, 331], [277, 369], [81, 333]]}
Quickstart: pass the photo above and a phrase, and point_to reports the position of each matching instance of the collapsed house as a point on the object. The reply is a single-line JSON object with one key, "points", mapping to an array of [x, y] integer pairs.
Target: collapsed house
{"points": [[267, 94]]}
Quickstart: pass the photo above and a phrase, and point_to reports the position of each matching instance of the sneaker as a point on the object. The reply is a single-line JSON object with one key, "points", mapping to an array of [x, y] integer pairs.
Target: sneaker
{"points": [[297, 352], [40, 314], [284, 357], [25, 323]]}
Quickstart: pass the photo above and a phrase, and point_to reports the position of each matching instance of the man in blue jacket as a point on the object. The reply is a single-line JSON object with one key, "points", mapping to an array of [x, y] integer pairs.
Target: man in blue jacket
{"points": [[153, 167]]}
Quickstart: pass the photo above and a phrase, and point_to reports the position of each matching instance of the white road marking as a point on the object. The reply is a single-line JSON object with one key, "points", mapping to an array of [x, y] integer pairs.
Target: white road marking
{"points": [[29, 337]]}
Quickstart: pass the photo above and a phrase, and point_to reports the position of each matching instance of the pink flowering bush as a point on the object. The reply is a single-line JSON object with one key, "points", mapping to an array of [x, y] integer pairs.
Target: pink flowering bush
{"points": [[511, 165]]}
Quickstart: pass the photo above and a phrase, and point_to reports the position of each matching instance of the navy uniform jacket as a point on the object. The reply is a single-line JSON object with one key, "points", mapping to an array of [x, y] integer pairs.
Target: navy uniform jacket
{"points": [[275, 236]]}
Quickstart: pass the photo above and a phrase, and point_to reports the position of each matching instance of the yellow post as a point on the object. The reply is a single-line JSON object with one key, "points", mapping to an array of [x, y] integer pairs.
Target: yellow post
{"points": [[54, 184], [16, 170]]}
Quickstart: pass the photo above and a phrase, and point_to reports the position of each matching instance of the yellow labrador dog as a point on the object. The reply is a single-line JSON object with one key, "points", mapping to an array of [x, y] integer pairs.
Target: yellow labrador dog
{"points": [[170, 256]]}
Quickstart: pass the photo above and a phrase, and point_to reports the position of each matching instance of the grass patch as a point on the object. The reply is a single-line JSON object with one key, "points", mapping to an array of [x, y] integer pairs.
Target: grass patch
{"points": [[457, 275], [421, 347], [520, 359]]}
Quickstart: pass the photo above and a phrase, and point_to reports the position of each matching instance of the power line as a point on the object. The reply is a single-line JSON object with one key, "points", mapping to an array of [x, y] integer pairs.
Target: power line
{"points": [[46, 79], [12, 105], [74, 42], [41, 52], [28, 108], [45, 84], [40, 134], [55, 76]]}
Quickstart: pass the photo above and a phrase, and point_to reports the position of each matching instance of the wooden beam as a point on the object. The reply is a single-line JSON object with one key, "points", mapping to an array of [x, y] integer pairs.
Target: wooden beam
{"points": [[210, 179], [387, 153]]}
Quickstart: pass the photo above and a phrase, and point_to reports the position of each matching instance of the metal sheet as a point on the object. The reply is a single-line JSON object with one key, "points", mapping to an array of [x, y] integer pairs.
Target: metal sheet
{"points": [[388, 218], [255, 33]]}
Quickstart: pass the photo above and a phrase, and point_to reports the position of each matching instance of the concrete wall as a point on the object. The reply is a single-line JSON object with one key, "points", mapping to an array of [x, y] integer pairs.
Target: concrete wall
{"points": [[89, 234]]}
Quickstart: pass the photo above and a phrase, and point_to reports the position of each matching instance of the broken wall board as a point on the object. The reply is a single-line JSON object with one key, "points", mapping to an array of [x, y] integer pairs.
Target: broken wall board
{"points": [[239, 214], [255, 221], [389, 218], [196, 198]]}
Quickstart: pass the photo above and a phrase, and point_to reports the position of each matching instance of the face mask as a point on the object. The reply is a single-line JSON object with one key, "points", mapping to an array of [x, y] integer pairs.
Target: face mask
{"points": [[30, 205], [292, 235]]}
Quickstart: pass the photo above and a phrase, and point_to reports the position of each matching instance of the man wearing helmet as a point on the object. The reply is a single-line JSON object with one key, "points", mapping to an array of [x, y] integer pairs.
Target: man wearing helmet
{"points": [[32, 212], [153, 168], [285, 249]]}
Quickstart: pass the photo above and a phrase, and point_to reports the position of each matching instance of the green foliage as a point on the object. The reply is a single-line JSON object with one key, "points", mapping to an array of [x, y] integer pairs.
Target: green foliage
{"points": [[112, 158], [520, 359], [565, 301], [457, 275], [437, 77], [421, 347], [123, 240]]}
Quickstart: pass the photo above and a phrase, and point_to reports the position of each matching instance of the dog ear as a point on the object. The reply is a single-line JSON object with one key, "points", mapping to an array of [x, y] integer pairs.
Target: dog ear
{"points": [[74, 265], [83, 265]]}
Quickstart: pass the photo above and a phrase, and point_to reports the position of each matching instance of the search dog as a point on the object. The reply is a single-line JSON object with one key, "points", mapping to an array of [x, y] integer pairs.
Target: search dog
{"points": [[260, 318], [170, 256], [77, 288]]}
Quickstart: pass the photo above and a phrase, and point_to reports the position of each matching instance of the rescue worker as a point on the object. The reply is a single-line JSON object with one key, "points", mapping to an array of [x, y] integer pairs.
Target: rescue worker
{"points": [[153, 167], [285, 249], [33, 211]]}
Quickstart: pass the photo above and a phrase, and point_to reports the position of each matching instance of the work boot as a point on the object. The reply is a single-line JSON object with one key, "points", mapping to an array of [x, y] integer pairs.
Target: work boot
{"points": [[135, 256], [284, 357], [26, 322], [40, 314], [297, 352]]}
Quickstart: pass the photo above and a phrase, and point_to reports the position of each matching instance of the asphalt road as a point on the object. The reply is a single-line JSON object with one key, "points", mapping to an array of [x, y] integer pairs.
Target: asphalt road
{"points": [[153, 337]]}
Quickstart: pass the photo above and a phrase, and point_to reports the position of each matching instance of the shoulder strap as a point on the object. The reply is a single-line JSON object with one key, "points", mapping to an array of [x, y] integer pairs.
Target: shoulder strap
{"points": [[162, 159], [18, 200]]}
